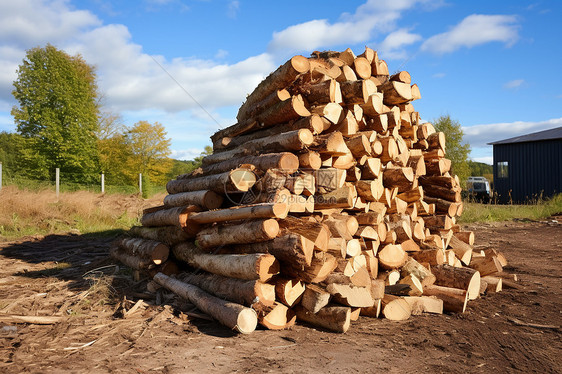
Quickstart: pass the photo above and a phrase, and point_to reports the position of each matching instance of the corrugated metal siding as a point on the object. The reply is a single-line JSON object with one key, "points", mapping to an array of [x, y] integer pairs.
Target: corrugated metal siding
{"points": [[534, 168]]}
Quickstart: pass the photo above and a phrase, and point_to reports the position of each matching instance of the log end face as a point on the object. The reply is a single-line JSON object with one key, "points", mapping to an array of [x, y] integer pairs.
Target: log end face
{"points": [[300, 64], [289, 162], [160, 254], [247, 321]]}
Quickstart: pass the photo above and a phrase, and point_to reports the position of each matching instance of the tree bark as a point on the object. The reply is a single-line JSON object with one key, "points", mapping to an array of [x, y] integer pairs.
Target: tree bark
{"points": [[332, 318], [254, 211], [251, 293], [205, 199], [232, 315], [151, 249], [257, 266], [246, 232], [237, 180], [169, 235]]}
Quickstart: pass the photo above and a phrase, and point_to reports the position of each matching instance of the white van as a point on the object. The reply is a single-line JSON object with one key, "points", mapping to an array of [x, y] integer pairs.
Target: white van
{"points": [[479, 188]]}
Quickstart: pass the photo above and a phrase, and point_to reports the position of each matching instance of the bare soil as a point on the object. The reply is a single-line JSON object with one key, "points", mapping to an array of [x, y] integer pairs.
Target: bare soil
{"points": [[70, 276]]}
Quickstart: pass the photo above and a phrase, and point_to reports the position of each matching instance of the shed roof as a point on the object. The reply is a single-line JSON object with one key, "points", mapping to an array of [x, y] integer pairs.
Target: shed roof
{"points": [[534, 137]]}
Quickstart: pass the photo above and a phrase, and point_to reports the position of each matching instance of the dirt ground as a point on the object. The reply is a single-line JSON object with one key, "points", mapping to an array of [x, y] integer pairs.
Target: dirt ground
{"points": [[71, 278]]}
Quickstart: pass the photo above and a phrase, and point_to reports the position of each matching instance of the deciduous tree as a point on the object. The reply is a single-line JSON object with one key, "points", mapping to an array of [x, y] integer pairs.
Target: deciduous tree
{"points": [[57, 112], [149, 150], [457, 150]]}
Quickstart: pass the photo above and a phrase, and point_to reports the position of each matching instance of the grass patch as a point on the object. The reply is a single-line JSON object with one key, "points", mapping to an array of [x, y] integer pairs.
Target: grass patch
{"points": [[24, 212], [474, 212]]}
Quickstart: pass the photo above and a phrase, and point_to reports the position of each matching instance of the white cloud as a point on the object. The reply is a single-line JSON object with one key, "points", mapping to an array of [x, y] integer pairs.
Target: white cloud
{"points": [[372, 16], [221, 53], [186, 154], [128, 78], [514, 84], [485, 159], [26, 23], [474, 30], [480, 135], [233, 7], [392, 46]]}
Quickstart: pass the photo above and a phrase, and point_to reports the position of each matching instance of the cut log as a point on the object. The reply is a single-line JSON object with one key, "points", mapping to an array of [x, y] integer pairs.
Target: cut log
{"points": [[370, 190], [278, 80], [357, 92], [373, 311], [332, 112], [237, 180], [351, 295], [442, 206], [374, 105], [359, 146], [256, 266], [372, 169], [462, 250], [310, 160], [315, 298], [289, 291], [414, 268], [402, 76], [254, 211], [273, 98], [436, 140], [176, 216], [246, 232], [395, 308], [291, 248], [331, 144], [169, 235], [431, 256], [402, 178], [396, 92], [441, 192], [343, 197], [205, 199], [416, 287], [277, 317], [318, 233], [454, 299], [151, 249], [288, 141], [489, 265], [465, 236], [134, 262], [392, 256], [232, 315], [425, 304], [282, 160], [495, 284], [332, 318], [322, 265], [313, 123], [251, 293], [454, 277], [362, 67]]}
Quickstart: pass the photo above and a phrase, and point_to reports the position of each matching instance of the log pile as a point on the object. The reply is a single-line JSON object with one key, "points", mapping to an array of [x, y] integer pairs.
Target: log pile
{"points": [[328, 199]]}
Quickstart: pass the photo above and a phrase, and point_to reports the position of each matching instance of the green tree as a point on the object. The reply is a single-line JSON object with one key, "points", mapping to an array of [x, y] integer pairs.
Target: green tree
{"points": [[149, 150], [208, 150], [57, 113], [10, 149], [457, 150]]}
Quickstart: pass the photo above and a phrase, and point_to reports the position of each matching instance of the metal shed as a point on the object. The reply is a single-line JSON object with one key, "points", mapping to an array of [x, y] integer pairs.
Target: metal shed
{"points": [[528, 166]]}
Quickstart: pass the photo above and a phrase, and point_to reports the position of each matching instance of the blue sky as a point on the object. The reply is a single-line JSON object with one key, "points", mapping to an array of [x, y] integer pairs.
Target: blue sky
{"points": [[491, 65]]}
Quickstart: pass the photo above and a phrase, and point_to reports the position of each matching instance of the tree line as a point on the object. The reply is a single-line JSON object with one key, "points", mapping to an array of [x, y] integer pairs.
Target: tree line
{"points": [[60, 123]]}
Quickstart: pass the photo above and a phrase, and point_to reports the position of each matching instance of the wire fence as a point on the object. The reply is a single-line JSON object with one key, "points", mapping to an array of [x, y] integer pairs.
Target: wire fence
{"points": [[67, 183]]}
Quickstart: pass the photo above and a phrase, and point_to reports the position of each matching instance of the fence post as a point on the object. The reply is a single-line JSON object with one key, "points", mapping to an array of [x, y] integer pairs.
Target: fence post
{"points": [[0, 175], [140, 183], [102, 183], [57, 181]]}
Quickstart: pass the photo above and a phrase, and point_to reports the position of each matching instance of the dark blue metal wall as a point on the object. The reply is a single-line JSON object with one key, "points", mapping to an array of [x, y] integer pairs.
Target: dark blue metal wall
{"points": [[534, 168]]}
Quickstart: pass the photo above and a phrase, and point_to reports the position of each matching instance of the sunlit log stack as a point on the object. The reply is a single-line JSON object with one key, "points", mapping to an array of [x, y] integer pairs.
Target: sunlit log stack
{"points": [[327, 200]]}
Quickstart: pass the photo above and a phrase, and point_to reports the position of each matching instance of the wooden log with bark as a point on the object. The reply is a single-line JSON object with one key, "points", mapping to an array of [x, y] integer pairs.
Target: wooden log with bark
{"points": [[232, 315]]}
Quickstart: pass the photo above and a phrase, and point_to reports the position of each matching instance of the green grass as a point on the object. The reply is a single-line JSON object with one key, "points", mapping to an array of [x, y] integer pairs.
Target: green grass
{"points": [[538, 210]]}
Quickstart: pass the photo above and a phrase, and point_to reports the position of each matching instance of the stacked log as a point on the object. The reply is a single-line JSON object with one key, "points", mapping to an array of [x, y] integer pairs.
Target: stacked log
{"points": [[327, 199]]}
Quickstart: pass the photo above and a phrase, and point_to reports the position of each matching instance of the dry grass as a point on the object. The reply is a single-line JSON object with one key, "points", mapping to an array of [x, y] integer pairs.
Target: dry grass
{"points": [[24, 212]]}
